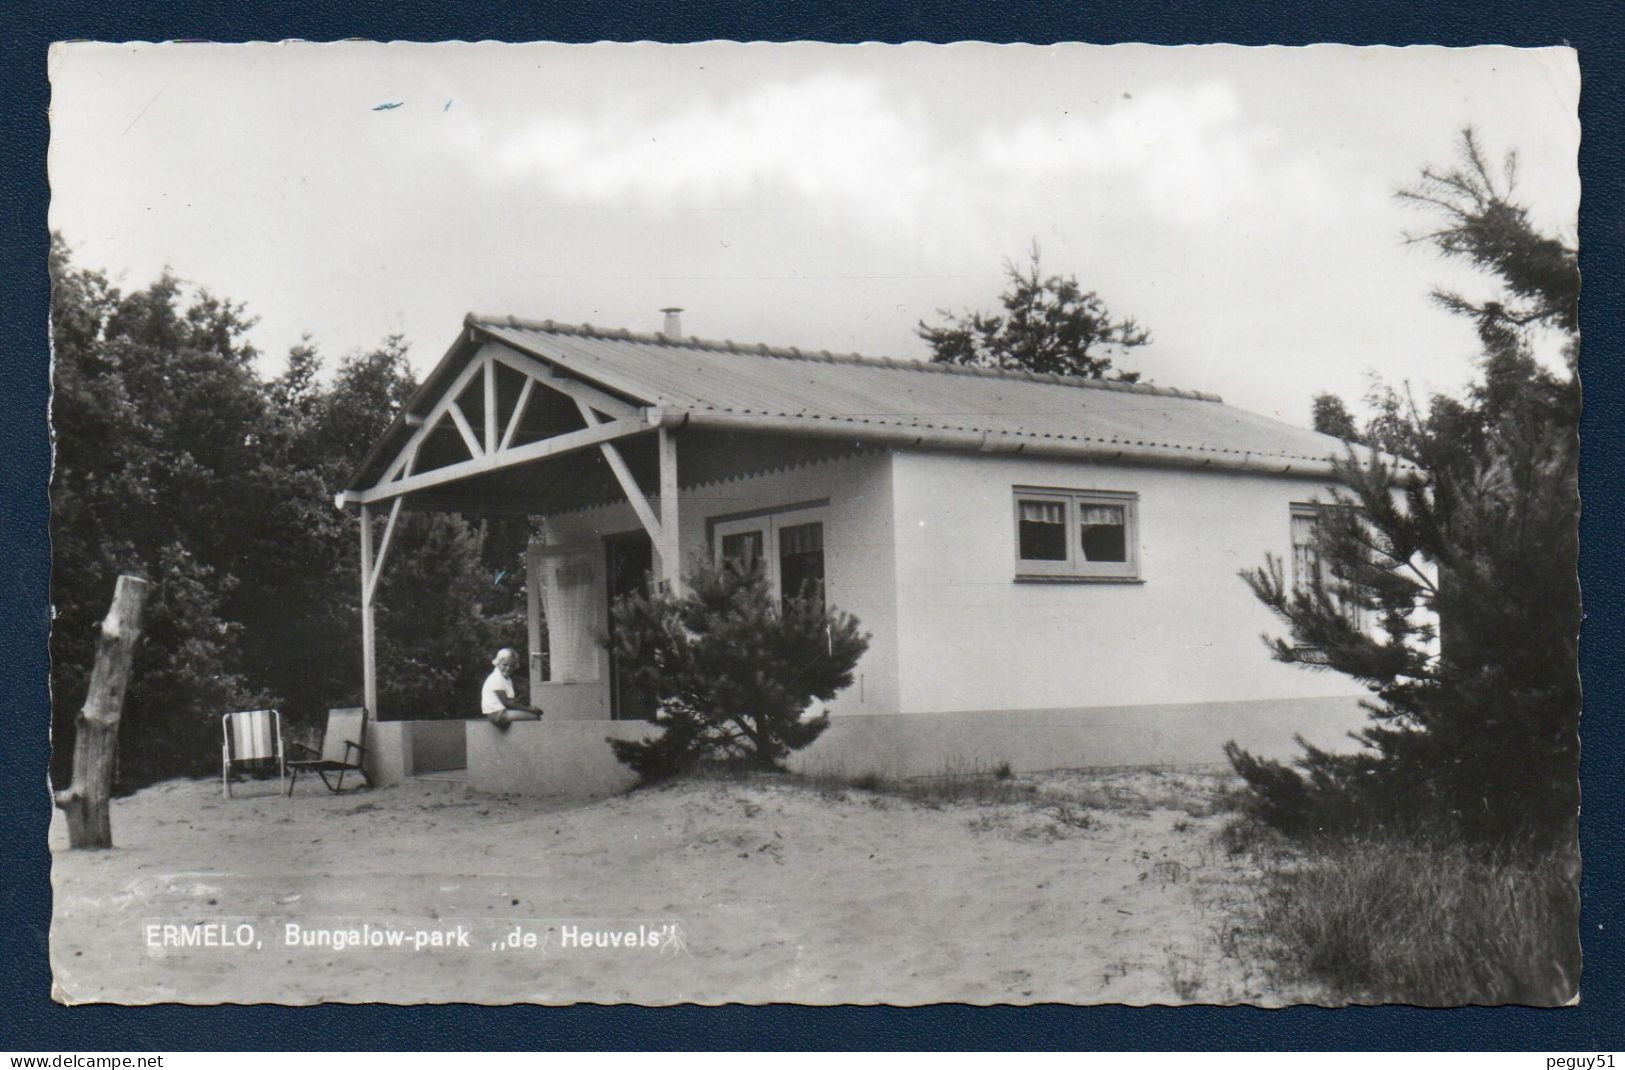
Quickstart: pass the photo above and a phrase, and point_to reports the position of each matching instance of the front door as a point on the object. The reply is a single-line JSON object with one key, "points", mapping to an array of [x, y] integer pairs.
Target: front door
{"points": [[629, 565]]}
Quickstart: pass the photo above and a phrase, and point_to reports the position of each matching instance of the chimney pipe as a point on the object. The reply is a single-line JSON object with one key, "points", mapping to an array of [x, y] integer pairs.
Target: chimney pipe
{"points": [[673, 330]]}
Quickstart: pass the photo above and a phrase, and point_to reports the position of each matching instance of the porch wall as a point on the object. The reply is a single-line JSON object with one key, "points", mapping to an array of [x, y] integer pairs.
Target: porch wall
{"points": [[558, 759], [397, 750]]}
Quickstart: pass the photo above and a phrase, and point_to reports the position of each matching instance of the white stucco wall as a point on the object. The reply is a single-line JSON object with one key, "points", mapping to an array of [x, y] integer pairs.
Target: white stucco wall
{"points": [[859, 559], [968, 669], [971, 638]]}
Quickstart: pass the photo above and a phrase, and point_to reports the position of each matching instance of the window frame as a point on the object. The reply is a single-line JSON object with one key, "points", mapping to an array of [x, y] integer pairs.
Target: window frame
{"points": [[770, 522], [1075, 569], [1304, 511], [1356, 614]]}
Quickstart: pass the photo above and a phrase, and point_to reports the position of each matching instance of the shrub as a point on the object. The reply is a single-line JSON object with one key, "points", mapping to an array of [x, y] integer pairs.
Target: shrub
{"points": [[732, 670]]}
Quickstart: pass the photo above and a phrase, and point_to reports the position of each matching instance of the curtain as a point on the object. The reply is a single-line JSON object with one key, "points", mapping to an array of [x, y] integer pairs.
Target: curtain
{"points": [[801, 539], [1100, 514], [1039, 512], [570, 599]]}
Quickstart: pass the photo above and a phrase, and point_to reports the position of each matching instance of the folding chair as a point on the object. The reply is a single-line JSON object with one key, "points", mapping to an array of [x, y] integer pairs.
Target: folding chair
{"points": [[343, 750], [251, 736]]}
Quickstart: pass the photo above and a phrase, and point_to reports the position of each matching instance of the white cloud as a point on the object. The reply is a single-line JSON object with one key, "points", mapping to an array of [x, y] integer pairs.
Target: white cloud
{"points": [[826, 140], [834, 142], [1185, 153]]}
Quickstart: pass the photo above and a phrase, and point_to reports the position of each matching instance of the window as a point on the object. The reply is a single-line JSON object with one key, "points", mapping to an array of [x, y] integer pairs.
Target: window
{"points": [[788, 546], [1305, 561], [1076, 534], [742, 550], [801, 562], [1103, 533], [1042, 523], [1306, 564]]}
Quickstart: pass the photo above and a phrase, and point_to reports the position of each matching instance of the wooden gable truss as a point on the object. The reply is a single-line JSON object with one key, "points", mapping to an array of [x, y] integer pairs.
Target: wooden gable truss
{"points": [[493, 446]]}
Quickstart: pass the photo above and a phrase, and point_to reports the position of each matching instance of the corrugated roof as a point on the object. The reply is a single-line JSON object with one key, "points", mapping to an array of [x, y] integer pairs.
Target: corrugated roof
{"points": [[877, 398]]}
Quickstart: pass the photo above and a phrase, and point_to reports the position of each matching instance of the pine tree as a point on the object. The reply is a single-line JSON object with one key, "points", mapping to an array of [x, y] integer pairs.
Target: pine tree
{"points": [[1332, 417], [1474, 720], [732, 670], [1050, 324]]}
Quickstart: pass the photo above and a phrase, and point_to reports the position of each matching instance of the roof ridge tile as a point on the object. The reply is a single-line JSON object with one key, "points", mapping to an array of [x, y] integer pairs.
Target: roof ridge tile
{"points": [[728, 345]]}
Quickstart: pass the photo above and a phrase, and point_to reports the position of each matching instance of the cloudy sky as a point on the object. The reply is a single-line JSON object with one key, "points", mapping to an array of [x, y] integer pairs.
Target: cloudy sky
{"points": [[1236, 201]]}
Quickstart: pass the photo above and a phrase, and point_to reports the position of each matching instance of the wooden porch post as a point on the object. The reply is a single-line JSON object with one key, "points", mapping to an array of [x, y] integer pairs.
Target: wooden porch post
{"points": [[671, 545], [533, 613], [369, 657]]}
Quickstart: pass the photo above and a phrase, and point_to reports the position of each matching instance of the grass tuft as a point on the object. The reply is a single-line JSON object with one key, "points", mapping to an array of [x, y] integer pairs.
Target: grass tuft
{"points": [[1417, 921]]}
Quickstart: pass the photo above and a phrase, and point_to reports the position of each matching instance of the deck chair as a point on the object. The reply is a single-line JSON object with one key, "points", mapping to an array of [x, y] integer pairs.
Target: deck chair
{"points": [[251, 736], [344, 748]]}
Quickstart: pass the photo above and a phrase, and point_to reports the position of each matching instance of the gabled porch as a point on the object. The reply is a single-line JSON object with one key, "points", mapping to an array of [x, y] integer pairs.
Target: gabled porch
{"points": [[502, 433], [498, 431]]}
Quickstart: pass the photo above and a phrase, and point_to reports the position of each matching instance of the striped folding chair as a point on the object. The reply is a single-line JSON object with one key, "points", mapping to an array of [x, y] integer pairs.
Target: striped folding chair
{"points": [[251, 736]]}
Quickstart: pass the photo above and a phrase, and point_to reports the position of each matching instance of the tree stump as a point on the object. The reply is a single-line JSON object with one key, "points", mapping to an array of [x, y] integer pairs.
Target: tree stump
{"points": [[95, 742]]}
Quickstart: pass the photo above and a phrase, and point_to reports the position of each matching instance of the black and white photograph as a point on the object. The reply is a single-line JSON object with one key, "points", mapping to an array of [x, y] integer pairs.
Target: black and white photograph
{"points": [[814, 524]]}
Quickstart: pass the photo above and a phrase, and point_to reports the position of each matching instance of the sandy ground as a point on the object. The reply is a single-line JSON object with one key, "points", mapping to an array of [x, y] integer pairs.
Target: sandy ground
{"points": [[1101, 889]]}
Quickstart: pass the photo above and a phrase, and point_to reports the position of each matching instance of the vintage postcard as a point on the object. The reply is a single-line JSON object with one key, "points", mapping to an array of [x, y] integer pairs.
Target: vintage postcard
{"points": [[816, 524]]}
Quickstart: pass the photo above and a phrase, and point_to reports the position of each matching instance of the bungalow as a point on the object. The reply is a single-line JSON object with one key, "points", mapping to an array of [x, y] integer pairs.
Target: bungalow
{"points": [[1047, 566]]}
